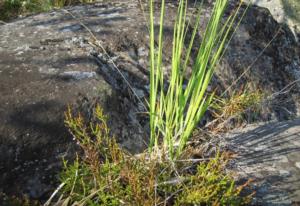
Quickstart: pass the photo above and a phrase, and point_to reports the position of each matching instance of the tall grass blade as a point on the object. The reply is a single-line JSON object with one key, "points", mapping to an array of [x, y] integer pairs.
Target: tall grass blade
{"points": [[177, 110]]}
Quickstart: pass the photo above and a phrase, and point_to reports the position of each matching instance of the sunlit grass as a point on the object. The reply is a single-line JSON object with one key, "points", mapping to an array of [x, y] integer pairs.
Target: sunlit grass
{"points": [[176, 111]]}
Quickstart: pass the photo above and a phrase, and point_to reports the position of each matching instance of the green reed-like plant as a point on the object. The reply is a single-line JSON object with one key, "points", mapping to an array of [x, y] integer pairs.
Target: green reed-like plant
{"points": [[176, 111]]}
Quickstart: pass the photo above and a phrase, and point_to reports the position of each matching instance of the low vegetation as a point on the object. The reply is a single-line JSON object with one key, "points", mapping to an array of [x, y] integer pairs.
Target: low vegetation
{"points": [[241, 106], [6, 200], [238, 103], [108, 175], [13, 8]]}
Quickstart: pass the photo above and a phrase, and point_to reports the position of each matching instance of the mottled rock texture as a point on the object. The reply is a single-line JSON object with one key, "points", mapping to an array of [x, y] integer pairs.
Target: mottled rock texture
{"points": [[270, 155], [50, 60], [284, 11]]}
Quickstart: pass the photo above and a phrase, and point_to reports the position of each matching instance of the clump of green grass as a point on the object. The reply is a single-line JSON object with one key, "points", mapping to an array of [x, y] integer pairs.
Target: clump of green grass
{"points": [[176, 111], [108, 175]]}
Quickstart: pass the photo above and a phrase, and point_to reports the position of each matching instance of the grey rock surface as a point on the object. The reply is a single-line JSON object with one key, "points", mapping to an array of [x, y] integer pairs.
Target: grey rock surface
{"points": [[284, 11], [270, 155], [265, 55], [46, 65]]}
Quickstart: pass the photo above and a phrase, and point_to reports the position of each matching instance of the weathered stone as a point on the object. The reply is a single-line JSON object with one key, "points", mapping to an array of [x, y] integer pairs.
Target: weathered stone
{"points": [[284, 11], [268, 153], [265, 55], [45, 65]]}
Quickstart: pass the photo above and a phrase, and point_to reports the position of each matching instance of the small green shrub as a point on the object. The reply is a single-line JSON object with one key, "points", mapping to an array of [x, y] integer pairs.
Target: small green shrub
{"points": [[62, 3], [108, 175], [238, 103], [240, 106]]}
